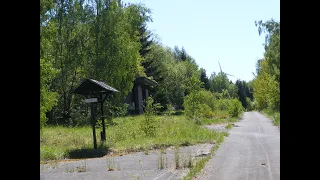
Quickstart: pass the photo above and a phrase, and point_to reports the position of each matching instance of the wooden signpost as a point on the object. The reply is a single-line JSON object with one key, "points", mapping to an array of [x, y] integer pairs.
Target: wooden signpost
{"points": [[95, 91]]}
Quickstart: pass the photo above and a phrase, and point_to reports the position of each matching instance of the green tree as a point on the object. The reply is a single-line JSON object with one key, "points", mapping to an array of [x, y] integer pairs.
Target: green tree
{"points": [[219, 82], [244, 92], [267, 82], [272, 45], [266, 89], [90, 39], [144, 36], [48, 99], [71, 33], [204, 79], [181, 55], [176, 78], [116, 58]]}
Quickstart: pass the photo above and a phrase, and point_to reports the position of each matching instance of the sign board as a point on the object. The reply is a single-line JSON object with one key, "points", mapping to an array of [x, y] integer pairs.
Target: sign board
{"points": [[91, 100]]}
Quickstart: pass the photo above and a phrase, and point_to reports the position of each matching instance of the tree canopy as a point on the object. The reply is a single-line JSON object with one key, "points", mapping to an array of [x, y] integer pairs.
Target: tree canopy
{"points": [[267, 82]]}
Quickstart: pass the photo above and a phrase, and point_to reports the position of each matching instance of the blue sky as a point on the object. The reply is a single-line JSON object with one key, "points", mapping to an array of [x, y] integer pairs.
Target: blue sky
{"points": [[214, 30]]}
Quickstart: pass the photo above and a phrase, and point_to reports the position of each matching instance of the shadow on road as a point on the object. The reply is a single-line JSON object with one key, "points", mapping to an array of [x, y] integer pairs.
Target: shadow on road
{"points": [[88, 153]]}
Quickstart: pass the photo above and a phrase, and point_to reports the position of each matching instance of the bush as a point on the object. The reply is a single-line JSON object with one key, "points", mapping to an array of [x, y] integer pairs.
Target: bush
{"points": [[205, 111], [250, 104], [148, 125], [223, 104], [236, 108], [199, 104], [170, 110]]}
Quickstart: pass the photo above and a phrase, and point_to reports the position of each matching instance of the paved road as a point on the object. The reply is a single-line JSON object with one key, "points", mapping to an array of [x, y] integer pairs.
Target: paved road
{"points": [[131, 166], [251, 152]]}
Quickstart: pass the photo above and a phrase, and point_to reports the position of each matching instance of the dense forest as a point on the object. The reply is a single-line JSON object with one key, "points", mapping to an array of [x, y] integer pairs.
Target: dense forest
{"points": [[109, 41]]}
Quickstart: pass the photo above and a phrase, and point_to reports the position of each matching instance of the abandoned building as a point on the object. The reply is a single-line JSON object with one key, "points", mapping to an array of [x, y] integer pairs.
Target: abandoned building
{"points": [[140, 93]]}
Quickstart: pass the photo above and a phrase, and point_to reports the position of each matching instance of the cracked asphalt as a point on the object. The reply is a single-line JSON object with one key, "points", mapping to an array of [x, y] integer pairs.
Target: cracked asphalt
{"points": [[131, 166], [250, 152]]}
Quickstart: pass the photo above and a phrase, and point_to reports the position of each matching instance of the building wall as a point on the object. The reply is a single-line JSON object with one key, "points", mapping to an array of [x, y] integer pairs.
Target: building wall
{"points": [[136, 98], [140, 100]]}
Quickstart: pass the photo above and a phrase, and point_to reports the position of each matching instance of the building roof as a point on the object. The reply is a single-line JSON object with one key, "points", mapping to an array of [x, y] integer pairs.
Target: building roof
{"points": [[91, 86], [145, 81]]}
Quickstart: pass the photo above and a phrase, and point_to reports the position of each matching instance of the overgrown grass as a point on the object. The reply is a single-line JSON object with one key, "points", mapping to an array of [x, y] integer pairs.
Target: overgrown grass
{"points": [[221, 117], [57, 142], [170, 131], [199, 165], [62, 142], [162, 161], [229, 126], [274, 115]]}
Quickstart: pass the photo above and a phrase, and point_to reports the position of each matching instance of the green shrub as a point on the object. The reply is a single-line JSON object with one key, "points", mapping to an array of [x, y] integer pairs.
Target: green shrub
{"points": [[225, 94], [170, 110], [236, 108], [205, 111], [223, 104], [250, 104], [148, 125], [273, 114], [199, 104]]}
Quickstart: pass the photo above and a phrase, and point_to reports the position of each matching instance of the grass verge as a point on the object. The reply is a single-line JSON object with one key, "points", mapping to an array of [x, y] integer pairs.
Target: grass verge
{"points": [[199, 165], [274, 115], [221, 117], [59, 142], [229, 126]]}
